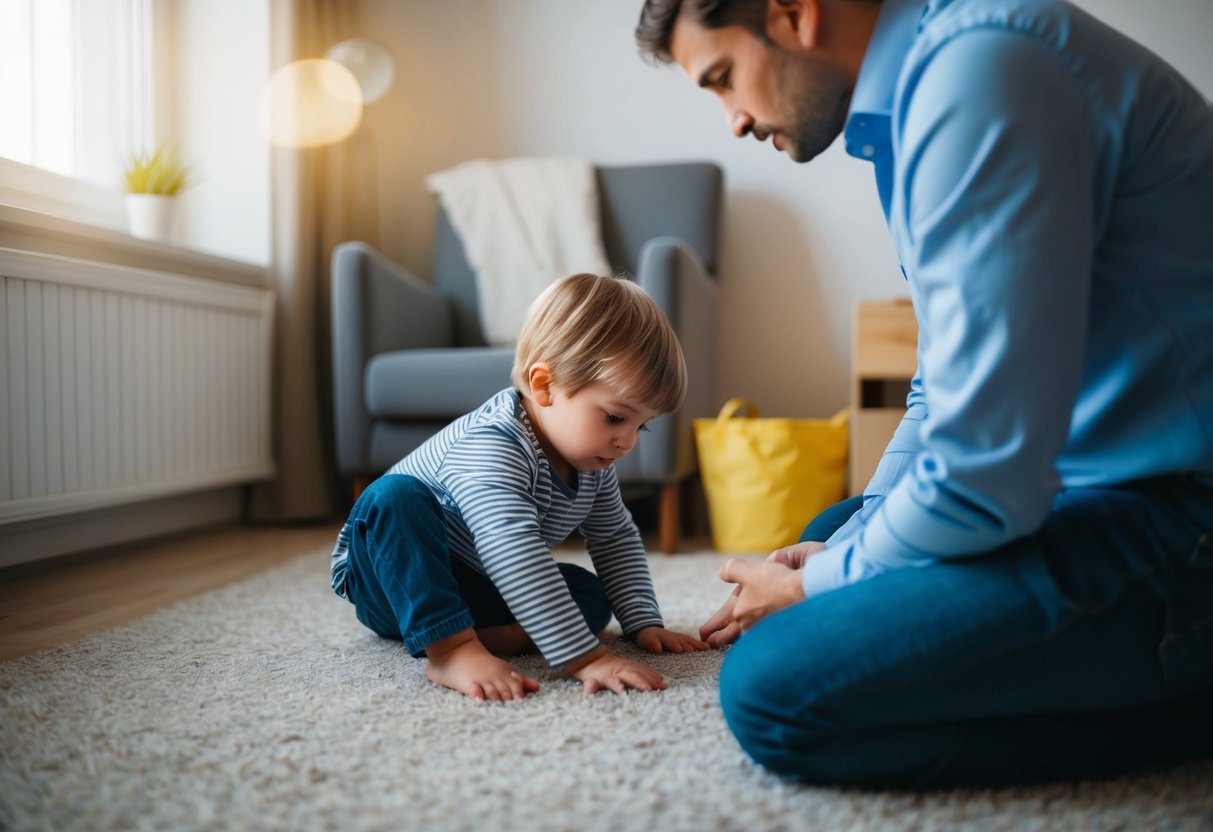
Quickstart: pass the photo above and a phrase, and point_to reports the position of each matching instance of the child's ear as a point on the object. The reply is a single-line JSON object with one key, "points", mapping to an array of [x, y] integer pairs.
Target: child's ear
{"points": [[540, 380]]}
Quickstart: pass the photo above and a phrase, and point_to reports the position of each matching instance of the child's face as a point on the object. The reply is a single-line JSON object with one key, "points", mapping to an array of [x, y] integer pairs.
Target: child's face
{"points": [[590, 429]]}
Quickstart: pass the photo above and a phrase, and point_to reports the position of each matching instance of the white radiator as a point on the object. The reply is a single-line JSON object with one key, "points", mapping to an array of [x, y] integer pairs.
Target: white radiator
{"points": [[119, 385]]}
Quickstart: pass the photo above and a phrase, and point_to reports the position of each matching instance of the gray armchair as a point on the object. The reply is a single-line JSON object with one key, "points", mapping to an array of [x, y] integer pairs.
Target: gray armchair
{"points": [[409, 356]]}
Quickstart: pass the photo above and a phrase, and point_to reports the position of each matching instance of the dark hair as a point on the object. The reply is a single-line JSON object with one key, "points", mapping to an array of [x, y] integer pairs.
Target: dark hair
{"points": [[657, 21]]}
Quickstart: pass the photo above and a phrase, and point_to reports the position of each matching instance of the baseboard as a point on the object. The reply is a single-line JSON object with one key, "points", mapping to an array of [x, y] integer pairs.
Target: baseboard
{"points": [[54, 536]]}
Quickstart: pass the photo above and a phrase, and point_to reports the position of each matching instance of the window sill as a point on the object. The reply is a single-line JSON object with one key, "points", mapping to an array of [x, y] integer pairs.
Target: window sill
{"points": [[28, 230]]}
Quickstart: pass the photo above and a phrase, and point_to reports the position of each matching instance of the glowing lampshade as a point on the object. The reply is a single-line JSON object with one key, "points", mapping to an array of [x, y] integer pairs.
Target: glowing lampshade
{"points": [[370, 63], [311, 103]]}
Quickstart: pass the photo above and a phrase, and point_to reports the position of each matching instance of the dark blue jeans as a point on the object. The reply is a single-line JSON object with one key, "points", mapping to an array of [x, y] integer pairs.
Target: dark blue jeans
{"points": [[1083, 650], [405, 584]]}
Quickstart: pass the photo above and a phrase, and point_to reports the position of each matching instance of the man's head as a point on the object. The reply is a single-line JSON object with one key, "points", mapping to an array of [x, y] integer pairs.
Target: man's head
{"points": [[587, 329], [781, 68]]}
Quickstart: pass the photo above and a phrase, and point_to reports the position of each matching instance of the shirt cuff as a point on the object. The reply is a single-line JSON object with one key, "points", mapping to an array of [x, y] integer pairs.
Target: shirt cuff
{"points": [[635, 625], [823, 571]]}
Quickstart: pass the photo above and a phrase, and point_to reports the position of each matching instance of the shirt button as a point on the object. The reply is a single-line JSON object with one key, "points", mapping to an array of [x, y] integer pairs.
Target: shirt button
{"points": [[868, 151]]}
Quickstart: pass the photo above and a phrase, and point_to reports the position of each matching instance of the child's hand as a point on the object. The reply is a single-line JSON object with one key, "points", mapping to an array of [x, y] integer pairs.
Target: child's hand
{"points": [[602, 669], [661, 640]]}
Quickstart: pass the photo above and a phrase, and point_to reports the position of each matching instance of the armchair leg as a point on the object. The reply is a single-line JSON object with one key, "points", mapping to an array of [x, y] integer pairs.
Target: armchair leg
{"points": [[361, 481], [667, 518]]}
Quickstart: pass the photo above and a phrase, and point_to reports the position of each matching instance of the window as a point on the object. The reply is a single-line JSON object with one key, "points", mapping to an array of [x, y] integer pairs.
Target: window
{"points": [[86, 83], [76, 91], [36, 61]]}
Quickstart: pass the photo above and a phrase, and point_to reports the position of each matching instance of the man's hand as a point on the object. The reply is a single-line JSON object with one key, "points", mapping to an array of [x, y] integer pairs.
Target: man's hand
{"points": [[795, 555], [723, 628], [602, 670], [766, 587], [661, 640]]}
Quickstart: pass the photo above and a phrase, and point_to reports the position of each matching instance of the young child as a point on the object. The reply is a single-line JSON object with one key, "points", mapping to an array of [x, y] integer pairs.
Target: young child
{"points": [[450, 551]]}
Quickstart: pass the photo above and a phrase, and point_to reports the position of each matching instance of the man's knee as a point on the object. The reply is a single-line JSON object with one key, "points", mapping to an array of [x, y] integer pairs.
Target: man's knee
{"points": [[831, 519], [772, 705]]}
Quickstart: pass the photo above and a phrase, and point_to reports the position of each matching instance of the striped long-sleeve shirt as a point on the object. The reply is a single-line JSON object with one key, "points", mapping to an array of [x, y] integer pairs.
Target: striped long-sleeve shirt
{"points": [[505, 508]]}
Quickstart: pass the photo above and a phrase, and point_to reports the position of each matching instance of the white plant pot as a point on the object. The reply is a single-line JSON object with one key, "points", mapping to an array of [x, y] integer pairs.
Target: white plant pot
{"points": [[150, 216]]}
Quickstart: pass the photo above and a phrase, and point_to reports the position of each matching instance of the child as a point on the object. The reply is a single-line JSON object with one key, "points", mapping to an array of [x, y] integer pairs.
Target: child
{"points": [[450, 550]]}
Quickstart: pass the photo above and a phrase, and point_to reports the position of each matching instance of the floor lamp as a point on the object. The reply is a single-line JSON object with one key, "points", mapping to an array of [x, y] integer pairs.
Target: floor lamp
{"points": [[318, 101]]}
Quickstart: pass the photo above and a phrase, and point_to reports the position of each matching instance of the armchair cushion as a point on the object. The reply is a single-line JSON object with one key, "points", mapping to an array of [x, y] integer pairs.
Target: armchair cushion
{"points": [[435, 383]]}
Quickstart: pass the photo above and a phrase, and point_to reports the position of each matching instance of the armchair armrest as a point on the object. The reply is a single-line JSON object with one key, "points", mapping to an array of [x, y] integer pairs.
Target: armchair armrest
{"points": [[670, 271], [378, 306]]}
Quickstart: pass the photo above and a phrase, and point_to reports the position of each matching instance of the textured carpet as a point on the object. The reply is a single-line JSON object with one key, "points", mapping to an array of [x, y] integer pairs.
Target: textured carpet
{"points": [[266, 705]]}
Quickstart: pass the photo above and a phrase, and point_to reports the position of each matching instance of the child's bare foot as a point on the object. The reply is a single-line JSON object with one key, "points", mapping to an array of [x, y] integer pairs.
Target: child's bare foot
{"points": [[461, 662], [505, 639]]}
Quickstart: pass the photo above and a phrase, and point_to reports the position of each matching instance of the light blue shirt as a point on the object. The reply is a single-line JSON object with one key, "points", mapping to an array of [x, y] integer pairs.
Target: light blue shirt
{"points": [[1049, 187]]}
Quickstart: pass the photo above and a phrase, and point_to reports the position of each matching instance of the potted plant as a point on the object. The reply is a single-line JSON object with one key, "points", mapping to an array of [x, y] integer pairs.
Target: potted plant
{"points": [[153, 181]]}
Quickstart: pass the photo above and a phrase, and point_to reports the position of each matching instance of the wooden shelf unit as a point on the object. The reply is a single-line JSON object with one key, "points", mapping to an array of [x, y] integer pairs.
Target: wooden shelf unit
{"points": [[884, 357]]}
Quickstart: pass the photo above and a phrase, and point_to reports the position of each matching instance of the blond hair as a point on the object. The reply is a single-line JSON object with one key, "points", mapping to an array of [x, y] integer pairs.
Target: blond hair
{"points": [[589, 329]]}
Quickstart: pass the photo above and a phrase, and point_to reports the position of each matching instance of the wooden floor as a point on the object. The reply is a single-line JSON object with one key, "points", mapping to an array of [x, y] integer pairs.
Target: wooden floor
{"points": [[45, 604]]}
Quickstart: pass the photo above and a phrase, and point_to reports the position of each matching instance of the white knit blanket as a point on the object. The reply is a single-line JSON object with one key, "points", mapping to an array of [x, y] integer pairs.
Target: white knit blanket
{"points": [[524, 223]]}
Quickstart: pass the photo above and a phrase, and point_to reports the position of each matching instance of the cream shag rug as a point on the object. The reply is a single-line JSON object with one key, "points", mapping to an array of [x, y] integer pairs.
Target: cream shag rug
{"points": [[265, 705]]}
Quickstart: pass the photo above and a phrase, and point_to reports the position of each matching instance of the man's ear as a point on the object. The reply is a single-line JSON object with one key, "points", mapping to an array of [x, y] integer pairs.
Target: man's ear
{"points": [[793, 24], [539, 377]]}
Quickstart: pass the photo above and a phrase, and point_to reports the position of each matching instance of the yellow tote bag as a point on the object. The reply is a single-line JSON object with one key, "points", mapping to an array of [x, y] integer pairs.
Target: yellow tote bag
{"points": [[765, 479]]}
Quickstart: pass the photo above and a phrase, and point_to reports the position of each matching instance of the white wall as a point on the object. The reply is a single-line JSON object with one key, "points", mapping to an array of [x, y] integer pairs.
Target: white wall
{"points": [[1179, 30], [801, 244], [444, 107], [219, 50]]}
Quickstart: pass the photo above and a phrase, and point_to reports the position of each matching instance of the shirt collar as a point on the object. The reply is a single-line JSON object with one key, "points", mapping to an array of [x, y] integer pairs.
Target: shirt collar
{"points": [[868, 120]]}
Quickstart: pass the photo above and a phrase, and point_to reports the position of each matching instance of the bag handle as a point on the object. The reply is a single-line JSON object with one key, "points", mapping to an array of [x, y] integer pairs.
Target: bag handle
{"points": [[735, 404]]}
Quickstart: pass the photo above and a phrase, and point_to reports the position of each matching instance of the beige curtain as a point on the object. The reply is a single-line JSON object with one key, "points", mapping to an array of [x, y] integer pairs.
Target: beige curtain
{"points": [[320, 197]]}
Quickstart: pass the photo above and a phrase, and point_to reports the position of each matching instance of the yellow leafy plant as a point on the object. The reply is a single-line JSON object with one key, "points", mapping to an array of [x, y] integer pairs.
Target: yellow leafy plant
{"points": [[161, 172]]}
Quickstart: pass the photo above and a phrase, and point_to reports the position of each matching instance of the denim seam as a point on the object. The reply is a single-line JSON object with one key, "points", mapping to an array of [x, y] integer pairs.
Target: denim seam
{"points": [[1096, 608], [1091, 609], [1197, 628]]}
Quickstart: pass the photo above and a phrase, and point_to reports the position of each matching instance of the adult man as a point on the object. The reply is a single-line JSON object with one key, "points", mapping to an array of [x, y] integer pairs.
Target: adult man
{"points": [[1027, 591]]}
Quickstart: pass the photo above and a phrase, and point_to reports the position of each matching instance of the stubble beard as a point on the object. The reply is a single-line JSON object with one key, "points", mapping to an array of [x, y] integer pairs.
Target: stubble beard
{"points": [[818, 97]]}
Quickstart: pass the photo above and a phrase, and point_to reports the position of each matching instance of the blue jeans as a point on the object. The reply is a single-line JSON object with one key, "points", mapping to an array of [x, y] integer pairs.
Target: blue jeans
{"points": [[1082, 650], [405, 585]]}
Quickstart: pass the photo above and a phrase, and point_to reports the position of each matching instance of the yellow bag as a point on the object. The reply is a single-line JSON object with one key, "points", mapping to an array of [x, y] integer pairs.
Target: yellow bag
{"points": [[765, 479]]}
